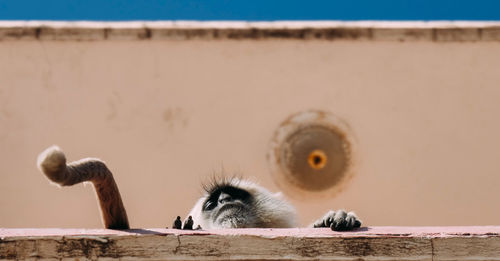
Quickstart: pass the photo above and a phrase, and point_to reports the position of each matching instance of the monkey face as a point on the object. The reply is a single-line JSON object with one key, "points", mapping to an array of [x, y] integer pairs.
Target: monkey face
{"points": [[234, 203], [228, 206]]}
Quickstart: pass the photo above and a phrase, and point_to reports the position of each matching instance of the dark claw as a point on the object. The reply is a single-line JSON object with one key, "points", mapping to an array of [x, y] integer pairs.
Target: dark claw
{"points": [[357, 224], [341, 225], [329, 222]]}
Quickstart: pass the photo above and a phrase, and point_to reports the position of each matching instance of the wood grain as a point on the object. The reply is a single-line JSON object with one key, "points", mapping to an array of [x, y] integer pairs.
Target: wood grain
{"points": [[433, 31], [373, 243]]}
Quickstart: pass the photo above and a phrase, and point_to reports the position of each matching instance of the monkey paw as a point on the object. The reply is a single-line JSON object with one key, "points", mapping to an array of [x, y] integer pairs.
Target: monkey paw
{"points": [[177, 223], [339, 221], [188, 224]]}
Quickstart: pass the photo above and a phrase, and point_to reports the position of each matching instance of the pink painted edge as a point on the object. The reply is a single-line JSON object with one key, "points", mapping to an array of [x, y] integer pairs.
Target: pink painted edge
{"points": [[263, 232]]}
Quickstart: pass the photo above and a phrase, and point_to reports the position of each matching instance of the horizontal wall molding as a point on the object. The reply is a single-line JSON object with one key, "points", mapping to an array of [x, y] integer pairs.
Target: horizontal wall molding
{"points": [[369, 243], [185, 30]]}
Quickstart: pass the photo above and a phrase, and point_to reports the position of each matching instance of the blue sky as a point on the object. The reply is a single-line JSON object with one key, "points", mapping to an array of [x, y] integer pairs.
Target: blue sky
{"points": [[250, 10]]}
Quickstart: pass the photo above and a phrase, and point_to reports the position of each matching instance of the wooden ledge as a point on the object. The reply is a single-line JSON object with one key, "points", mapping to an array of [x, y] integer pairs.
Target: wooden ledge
{"points": [[370, 243], [299, 30]]}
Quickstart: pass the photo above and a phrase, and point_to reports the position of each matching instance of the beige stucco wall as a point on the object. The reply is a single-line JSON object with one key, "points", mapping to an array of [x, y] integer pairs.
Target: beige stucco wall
{"points": [[167, 114]]}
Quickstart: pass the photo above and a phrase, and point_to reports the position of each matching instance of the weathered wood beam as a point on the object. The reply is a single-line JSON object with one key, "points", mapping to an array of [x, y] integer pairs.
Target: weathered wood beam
{"points": [[433, 31], [369, 243]]}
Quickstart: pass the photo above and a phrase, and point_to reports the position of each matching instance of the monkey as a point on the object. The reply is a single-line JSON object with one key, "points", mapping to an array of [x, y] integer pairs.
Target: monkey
{"points": [[226, 203], [236, 203]]}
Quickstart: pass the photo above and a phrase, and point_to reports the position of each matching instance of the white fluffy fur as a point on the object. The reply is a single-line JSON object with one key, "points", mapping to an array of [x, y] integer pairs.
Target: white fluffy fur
{"points": [[273, 208]]}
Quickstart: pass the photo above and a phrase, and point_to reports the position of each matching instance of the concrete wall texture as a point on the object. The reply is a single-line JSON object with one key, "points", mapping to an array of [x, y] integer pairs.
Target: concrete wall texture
{"points": [[165, 114]]}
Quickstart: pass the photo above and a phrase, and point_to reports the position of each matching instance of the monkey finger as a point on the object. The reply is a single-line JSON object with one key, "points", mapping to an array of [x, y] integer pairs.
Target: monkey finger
{"points": [[340, 225]]}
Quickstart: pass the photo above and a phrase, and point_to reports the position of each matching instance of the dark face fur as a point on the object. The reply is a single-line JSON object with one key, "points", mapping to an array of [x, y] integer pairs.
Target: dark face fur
{"points": [[229, 206]]}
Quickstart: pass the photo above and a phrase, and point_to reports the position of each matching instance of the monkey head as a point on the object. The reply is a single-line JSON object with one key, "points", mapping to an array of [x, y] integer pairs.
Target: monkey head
{"points": [[234, 203]]}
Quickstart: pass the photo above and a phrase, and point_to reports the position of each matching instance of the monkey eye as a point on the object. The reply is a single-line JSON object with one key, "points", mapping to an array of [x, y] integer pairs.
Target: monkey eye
{"points": [[209, 205], [231, 193]]}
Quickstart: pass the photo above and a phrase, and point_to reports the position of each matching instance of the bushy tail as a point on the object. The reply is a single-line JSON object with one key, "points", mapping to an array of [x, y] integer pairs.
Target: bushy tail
{"points": [[52, 163]]}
